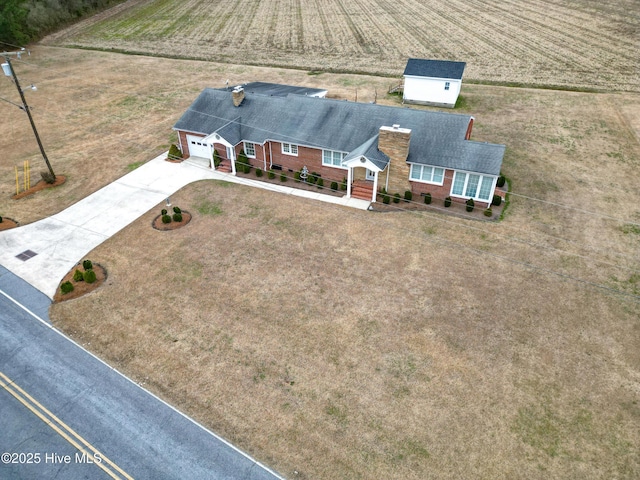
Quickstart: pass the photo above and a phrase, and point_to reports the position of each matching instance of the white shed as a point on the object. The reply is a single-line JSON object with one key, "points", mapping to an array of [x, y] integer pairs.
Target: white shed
{"points": [[432, 82]]}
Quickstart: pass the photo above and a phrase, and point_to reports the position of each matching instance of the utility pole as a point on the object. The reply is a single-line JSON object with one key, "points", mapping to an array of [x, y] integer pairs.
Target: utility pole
{"points": [[25, 107]]}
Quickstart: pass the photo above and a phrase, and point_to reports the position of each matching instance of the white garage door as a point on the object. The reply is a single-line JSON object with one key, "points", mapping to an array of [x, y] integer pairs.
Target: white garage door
{"points": [[197, 148]]}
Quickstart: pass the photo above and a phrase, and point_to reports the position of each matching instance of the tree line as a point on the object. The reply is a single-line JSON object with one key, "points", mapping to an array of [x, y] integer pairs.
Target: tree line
{"points": [[23, 21]]}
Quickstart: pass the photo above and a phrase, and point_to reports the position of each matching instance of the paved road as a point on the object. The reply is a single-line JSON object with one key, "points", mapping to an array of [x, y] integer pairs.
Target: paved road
{"points": [[57, 400]]}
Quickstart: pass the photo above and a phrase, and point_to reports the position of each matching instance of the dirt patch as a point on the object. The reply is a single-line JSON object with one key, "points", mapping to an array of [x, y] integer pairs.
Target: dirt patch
{"points": [[158, 225], [80, 288], [41, 185]]}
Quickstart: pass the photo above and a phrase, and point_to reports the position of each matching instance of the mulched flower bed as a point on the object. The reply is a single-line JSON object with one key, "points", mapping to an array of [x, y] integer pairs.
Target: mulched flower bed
{"points": [[41, 185], [158, 225], [7, 223], [80, 288]]}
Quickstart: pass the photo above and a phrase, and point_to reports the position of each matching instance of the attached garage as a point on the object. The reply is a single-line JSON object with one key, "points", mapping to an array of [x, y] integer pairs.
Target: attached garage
{"points": [[197, 147]]}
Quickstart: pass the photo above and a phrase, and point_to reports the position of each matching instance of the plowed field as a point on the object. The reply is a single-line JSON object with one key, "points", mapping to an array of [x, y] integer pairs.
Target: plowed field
{"points": [[584, 44]]}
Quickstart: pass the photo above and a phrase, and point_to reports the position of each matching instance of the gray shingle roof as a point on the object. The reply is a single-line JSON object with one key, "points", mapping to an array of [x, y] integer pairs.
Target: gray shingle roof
{"points": [[434, 68], [370, 150], [437, 138], [279, 90]]}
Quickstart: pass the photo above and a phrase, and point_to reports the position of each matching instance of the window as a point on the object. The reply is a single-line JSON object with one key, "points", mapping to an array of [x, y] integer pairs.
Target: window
{"points": [[447, 85], [250, 149], [332, 159], [471, 185], [290, 149], [425, 173]]}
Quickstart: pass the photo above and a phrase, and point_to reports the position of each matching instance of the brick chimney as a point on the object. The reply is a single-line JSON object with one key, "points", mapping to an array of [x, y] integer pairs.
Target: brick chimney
{"points": [[394, 142], [238, 95]]}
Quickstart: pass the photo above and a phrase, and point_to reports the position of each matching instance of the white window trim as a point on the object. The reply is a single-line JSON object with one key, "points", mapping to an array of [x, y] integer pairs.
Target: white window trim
{"points": [[447, 85], [331, 165], [244, 145], [466, 181], [444, 174], [291, 145]]}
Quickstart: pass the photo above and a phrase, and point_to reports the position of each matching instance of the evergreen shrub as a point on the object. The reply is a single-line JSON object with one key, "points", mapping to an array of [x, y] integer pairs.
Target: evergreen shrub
{"points": [[77, 276], [87, 265], [66, 287], [89, 276], [427, 198], [447, 202]]}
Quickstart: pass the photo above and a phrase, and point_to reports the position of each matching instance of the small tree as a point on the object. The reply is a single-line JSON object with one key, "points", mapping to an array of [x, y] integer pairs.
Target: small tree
{"points": [[89, 276], [66, 287], [87, 265]]}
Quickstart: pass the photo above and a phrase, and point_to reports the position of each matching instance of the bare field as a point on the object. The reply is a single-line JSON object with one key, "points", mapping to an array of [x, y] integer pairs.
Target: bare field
{"points": [[568, 43], [345, 344]]}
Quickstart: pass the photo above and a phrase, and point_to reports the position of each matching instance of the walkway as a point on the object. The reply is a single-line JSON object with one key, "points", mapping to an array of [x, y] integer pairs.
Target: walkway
{"points": [[43, 252]]}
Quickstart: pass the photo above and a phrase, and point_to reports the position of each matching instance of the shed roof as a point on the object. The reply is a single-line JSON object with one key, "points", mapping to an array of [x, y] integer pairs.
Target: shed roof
{"points": [[437, 138], [418, 67]]}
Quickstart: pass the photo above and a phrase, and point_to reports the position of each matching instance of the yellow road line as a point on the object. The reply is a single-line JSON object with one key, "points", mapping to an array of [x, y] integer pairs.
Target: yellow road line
{"points": [[9, 385]]}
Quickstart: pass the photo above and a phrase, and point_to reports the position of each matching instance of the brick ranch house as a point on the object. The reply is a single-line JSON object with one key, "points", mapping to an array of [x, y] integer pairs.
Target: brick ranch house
{"points": [[372, 146]]}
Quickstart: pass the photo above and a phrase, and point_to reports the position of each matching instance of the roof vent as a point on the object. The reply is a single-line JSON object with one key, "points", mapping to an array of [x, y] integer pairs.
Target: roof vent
{"points": [[396, 126]]}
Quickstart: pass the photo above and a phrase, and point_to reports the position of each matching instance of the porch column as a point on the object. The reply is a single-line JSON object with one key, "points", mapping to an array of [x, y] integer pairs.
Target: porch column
{"points": [[232, 158], [375, 186], [349, 177]]}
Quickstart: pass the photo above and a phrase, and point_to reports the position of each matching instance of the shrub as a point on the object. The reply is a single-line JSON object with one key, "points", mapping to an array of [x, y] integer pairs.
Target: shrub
{"points": [[343, 185], [427, 198], [246, 168], [501, 181], [296, 176], [386, 199], [334, 187], [87, 265], [470, 205], [283, 177], [313, 178], [497, 200], [174, 152], [271, 174], [408, 195], [383, 190], [0, 219], [488, 212], [447, 202], [48, 177], [166, 219], [216, 159], [89, 276], [66, 287], [163, 211], [77, 276], [258, 172], [396, 198], [177, 210], [177, 217], [320, 183]]}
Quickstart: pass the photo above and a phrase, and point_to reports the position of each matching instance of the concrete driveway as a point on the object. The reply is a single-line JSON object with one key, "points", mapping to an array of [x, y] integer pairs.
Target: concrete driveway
{"points": [[62, 240]]}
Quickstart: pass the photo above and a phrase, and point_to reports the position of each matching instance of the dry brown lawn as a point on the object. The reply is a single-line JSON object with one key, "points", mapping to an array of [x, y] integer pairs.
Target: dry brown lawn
{"points": [[569, 43], [345, 344]]}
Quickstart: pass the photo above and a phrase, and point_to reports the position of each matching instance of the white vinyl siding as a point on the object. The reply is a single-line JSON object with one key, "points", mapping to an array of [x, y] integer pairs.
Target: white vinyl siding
{"points": [[472, 185], [290, 149], [332, 159], [250, 149], [425, 173]]}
